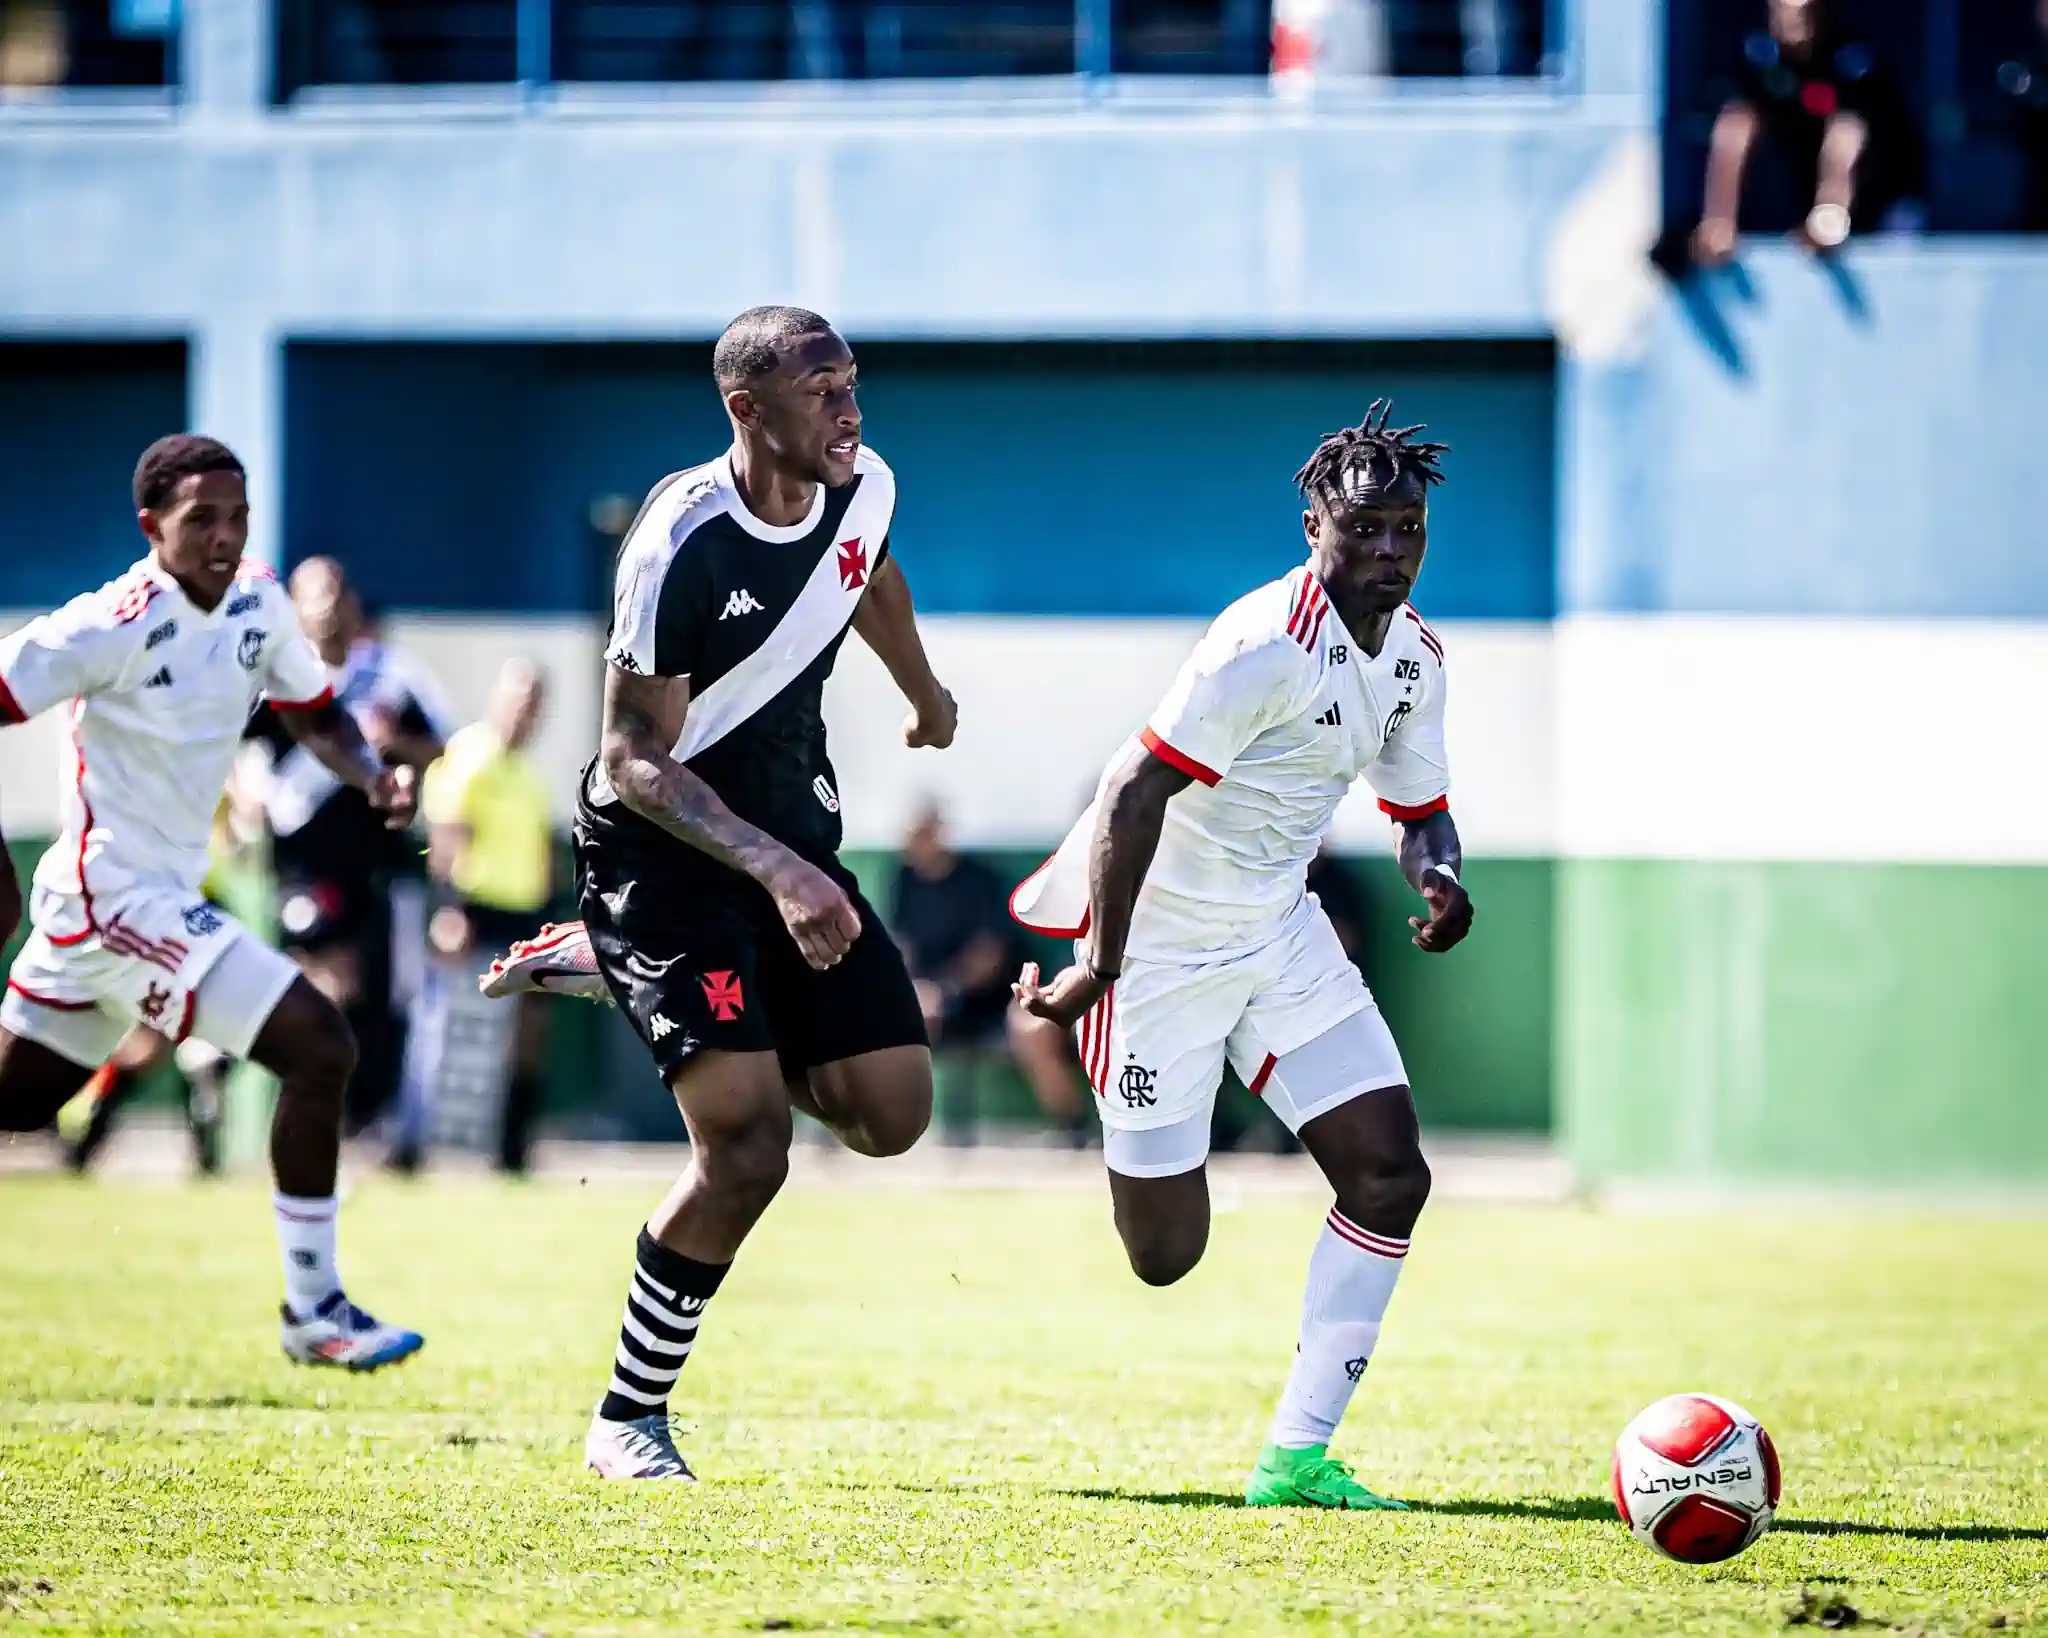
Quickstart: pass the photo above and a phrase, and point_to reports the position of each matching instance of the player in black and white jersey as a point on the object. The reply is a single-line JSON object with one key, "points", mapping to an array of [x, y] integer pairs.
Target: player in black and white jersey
{"points": [[707, 835]]}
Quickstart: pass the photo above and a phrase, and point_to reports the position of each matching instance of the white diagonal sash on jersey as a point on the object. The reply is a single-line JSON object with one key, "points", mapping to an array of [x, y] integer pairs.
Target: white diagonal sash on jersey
{"points": [[819, 614]]}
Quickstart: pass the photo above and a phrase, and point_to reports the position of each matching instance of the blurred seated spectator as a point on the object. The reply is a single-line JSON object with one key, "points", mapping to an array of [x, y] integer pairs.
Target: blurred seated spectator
{"points": [[2023, 87], [1817, 140], [951, 916]]}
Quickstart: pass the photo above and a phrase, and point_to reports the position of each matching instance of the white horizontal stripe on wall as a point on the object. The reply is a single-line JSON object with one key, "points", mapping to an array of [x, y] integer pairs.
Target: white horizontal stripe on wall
{"points": [[1755, 737], [1043, 703]]}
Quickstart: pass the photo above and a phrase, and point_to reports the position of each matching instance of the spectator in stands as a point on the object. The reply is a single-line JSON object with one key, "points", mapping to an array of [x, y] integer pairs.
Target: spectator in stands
{"points": [[1817, 136], [951, 917], [2023, 87], [340, 872], [490, 843]]}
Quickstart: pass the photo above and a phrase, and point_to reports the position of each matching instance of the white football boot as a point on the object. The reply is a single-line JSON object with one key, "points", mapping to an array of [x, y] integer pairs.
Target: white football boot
{"points": [[640, 1449], [557, 960], [340, 1333]]}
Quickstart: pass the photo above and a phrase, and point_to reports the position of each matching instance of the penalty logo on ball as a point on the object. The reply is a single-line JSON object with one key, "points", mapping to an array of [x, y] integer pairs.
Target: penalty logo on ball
{"points": [[1696, 1478]]}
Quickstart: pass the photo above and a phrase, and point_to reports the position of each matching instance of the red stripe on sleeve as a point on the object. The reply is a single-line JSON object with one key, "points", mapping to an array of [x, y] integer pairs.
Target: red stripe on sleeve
{"points": [[10, 707], [1441, 805], [1177, 759], [319, 701]]}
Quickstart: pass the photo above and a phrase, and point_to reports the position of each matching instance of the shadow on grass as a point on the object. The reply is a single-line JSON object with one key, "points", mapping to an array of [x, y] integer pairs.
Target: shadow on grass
{"points": [[1598, 1508]]}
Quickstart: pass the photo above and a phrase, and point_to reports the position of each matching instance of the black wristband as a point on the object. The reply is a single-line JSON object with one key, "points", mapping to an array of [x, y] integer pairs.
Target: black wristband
{"points": [[1106, 978]]}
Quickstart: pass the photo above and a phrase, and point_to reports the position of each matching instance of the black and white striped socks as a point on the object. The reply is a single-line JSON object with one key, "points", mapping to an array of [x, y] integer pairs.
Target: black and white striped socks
{"points": [[663, 1303]]}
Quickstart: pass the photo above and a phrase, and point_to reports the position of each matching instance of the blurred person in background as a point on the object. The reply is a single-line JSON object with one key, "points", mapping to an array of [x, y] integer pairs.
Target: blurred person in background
{"points": [[490, 844], [2023, 91], [336, 862], [951, 916], [1817, 133]]}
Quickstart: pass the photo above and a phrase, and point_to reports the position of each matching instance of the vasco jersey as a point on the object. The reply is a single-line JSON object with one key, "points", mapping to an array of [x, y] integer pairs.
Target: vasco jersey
{"points": [[1274, 715], [753, 614], [159, 690]]}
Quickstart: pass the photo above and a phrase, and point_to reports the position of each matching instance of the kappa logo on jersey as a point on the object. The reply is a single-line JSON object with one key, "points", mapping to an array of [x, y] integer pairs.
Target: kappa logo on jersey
{"points": [[660, 1027], [853, 564], [203, 921], [722, 990], [155, 1003], [1135, 1085], [163, 634], [742, 602], [821, 787], [250, 649], [1332, 718], [625, 661], [244, 603], [1396, 717], [160, 678]]}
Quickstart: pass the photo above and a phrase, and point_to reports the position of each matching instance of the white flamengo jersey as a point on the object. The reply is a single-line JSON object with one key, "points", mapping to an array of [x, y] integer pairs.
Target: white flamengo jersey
{"points": [[159, 692], [1274, 715]]}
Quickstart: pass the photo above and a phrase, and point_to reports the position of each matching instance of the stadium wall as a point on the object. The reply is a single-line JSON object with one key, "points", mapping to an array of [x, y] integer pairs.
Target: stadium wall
{"points": [[1801, 665]]}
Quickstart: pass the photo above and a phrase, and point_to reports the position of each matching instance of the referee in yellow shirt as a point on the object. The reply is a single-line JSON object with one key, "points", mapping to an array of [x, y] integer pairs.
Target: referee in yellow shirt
{"points": [[490, 843]]}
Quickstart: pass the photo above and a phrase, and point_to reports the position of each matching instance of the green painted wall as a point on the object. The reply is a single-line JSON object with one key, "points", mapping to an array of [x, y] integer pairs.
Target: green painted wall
{"points": [[1853, 1023]]}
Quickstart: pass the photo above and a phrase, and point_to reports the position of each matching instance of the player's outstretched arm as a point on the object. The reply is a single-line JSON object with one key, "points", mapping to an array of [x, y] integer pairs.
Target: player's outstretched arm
{"points": [[887, 623], [1431, 858], [643, 718], [331, 734], [1126, 836]]}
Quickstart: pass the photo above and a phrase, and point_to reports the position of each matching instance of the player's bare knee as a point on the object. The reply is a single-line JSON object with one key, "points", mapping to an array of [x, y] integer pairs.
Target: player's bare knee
{"points": [[894, 1127], [746, 1161], [1164, 1259], [1387, 1189]]}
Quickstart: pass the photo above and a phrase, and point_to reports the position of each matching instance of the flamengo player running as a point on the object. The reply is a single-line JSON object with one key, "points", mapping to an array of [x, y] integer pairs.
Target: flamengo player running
{"points": [[1183, 884], [161, 669], [714, 904]]}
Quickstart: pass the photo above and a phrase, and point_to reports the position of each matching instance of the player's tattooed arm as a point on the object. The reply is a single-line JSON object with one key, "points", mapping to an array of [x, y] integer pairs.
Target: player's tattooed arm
{"points": [[643, 718], [1127, 828], [1432, 859], [887, 623], [331, 734]]}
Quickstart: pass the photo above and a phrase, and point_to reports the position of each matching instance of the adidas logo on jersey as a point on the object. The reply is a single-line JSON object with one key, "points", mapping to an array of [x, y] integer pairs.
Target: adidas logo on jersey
{"points": [[741, 602], [160, 679], [659, 1026], [1332, 718]]}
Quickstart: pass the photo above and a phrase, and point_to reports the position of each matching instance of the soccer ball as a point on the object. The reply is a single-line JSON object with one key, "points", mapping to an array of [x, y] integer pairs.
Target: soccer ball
{"points": [[1695, 1478]]}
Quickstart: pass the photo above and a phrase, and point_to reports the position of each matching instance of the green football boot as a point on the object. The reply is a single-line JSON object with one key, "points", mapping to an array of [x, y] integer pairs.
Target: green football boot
{"points": [[1310, 1478]]}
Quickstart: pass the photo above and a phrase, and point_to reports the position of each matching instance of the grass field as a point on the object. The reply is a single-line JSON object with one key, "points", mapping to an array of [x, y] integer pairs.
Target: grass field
{"points": [[922, 1412]]}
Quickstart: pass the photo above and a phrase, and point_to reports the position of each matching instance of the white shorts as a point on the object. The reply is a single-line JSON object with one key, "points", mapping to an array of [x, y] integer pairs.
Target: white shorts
{"points": [[182, 966], [1293, 1018]]}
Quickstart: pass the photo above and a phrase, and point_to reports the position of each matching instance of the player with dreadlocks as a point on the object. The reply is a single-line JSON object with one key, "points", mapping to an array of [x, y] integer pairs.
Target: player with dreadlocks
{"points": [[1196, 941]]}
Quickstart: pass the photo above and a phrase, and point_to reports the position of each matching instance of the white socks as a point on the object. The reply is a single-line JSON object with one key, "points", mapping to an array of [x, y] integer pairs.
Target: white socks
{"points": [[305, 1234], [1351, 1275]]}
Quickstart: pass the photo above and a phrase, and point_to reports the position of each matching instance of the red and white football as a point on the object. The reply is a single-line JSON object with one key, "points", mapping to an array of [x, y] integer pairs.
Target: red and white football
{"points": [[1696, 1478]]}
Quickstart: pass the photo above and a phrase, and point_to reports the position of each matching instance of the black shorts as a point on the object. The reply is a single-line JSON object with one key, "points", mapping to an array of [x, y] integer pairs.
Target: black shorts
{"points": [[698, 958]]}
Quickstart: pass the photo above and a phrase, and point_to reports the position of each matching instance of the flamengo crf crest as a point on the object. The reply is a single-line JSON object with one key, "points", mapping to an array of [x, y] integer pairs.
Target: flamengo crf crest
{"points": [[1135, 1085]]}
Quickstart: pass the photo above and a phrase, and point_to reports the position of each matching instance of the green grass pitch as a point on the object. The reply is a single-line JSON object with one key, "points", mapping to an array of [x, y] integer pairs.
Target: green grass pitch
{"points": [[927, 1411]]}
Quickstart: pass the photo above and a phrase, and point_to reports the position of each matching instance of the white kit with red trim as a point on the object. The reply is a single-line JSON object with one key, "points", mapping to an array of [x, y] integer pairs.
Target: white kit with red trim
{"points": [[1274, 714], [158, 692]]}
